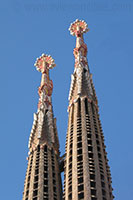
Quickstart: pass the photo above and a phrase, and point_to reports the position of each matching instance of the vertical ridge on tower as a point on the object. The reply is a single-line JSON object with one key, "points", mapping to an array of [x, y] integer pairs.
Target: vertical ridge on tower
{"points": [[86, 171]]}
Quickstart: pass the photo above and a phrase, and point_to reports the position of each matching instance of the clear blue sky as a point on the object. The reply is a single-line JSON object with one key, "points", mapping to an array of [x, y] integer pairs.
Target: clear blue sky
{"points": [[29, 28]]}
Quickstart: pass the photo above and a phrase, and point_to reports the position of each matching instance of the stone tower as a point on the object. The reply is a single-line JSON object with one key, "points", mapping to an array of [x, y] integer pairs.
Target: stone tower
{"points": [[86, 171], [43, 181]]}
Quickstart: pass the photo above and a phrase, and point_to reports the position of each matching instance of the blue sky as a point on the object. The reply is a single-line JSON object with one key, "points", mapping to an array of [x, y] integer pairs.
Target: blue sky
{"points": [[29, 28]]}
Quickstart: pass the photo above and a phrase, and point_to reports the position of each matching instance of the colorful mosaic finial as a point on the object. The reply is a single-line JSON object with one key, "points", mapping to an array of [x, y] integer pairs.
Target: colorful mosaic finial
{"points": [[43, 62], [78, 27]]}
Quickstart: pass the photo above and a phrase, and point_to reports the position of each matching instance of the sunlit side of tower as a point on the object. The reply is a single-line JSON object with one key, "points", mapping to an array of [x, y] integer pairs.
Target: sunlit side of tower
{"points": [[43, 181], [86, 171]]}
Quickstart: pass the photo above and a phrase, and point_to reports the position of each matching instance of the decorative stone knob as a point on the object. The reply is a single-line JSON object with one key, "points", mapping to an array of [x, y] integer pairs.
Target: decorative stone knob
{"points": [[44, 62], [78, 27]]}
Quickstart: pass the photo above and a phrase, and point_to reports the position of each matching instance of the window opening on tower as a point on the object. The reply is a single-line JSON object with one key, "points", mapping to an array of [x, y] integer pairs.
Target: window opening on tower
{"points": [[79, 108]]}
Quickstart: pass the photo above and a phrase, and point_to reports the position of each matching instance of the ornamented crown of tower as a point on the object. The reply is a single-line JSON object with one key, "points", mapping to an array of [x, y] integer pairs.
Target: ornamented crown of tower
{"points": [[81, 72]]}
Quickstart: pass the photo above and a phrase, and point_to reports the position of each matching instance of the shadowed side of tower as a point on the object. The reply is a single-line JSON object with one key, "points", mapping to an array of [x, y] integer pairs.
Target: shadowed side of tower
{"points": [[43, 180], [86, 171]]}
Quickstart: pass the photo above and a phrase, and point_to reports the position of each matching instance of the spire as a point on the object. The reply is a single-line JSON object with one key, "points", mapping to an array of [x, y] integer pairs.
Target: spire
{"points": [[81, 83], [44, 124], [86, 171], [43, 180]]}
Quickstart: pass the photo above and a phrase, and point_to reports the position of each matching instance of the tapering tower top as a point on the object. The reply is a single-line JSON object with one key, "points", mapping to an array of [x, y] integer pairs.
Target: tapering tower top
{"points": [[81, 84], [43, 119]]}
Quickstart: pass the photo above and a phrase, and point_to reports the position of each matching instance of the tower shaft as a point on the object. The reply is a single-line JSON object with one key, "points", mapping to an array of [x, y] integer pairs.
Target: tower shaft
{"points": [[43, 176]]}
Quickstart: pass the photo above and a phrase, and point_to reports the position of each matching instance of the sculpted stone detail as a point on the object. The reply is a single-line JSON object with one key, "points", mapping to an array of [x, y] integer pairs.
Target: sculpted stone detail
{"points": [[43, 64], [88, 78], [40, 123], [81, 65], [78, 27], [51, 125], [33, 130], [79, 71], [71, 87]]}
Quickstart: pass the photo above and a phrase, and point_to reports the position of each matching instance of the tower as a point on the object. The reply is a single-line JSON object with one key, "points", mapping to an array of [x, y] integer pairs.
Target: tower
{"points": [[86, 171], [43, 181]]}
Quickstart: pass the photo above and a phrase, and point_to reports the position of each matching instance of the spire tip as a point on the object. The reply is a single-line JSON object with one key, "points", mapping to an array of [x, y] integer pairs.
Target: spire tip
{"points": [[78, 27], [44, 60]]}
